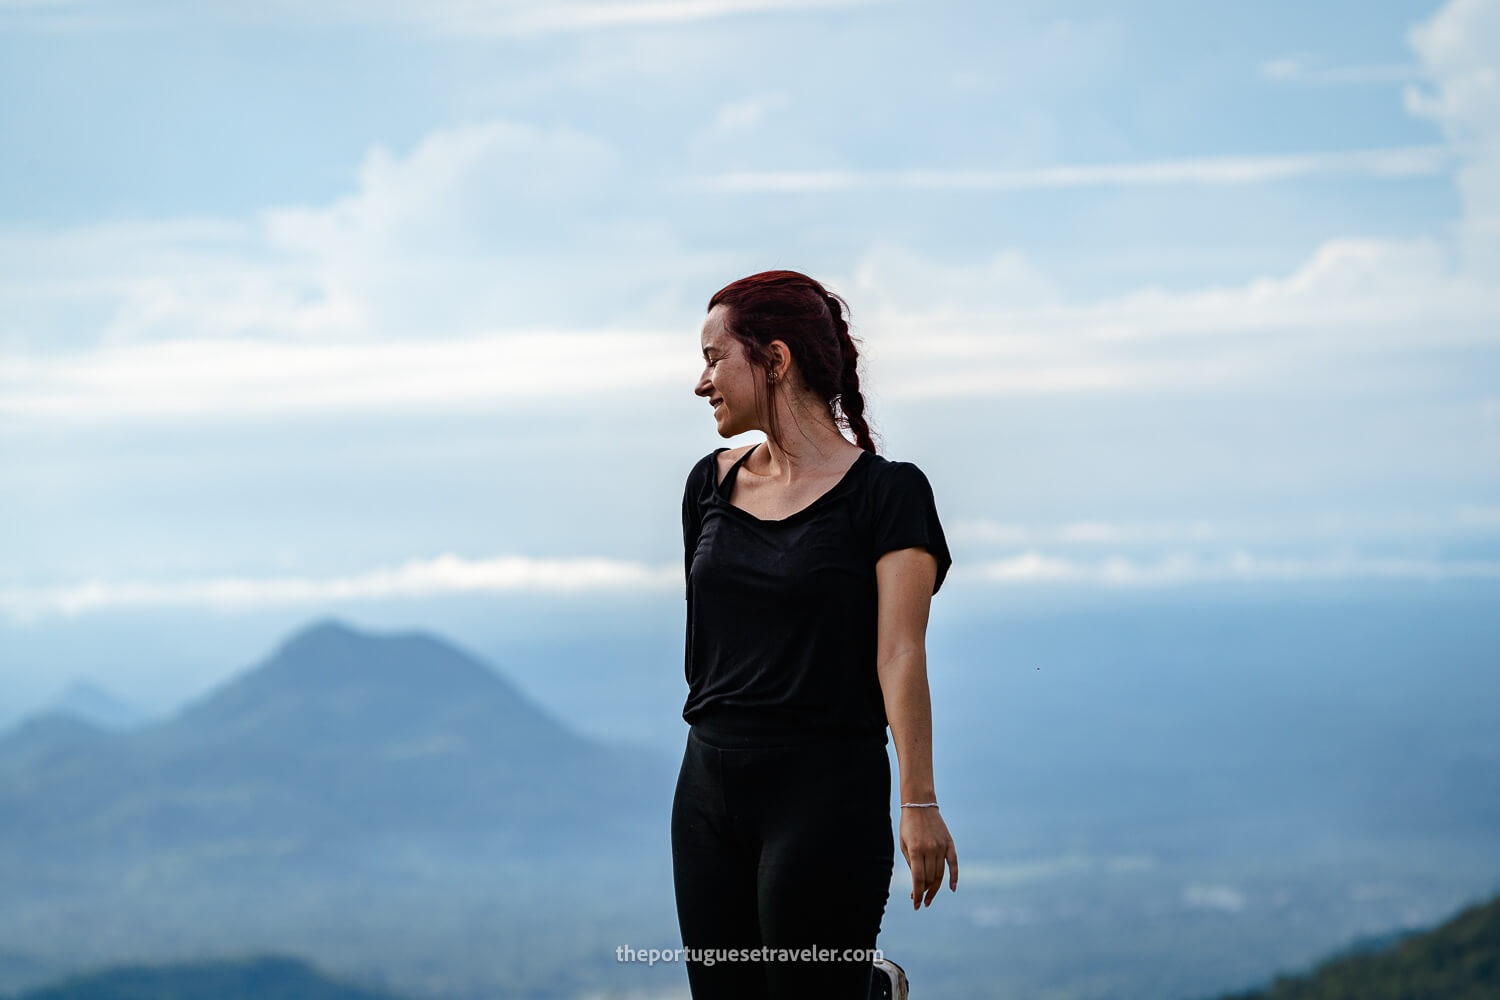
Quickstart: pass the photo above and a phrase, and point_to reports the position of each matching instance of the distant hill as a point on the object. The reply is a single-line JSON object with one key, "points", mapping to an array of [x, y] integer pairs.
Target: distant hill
{"points": [[38, 740], [337, 737], [1459, 960], [260, 978], [94, 703], [350, 788]]}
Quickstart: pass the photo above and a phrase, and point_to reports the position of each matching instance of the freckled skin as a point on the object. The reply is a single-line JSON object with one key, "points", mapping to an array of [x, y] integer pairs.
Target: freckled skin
{"points": [[728, 379]]}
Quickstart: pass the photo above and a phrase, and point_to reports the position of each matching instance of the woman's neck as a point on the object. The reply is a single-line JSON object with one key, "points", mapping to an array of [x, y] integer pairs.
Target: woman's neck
{"points": [[806, 449]]}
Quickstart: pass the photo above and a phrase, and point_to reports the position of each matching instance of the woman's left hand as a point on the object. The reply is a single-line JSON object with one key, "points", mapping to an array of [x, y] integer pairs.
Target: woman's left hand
{"points": [[926, 845]]}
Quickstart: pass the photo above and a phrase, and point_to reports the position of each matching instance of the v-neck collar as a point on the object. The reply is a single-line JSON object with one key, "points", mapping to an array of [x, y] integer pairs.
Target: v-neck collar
{"points": [[724, 489]]}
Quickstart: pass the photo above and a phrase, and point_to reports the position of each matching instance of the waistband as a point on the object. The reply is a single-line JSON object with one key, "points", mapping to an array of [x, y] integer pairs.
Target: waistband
{"points": [[737, 730]]}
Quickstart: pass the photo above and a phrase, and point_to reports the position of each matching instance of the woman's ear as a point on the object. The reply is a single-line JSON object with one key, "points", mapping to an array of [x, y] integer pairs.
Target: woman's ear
{"points": [[780, 358]]}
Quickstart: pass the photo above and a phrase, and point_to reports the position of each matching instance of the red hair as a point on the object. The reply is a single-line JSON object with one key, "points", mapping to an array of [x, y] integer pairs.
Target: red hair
{"points": [[810, 320]]}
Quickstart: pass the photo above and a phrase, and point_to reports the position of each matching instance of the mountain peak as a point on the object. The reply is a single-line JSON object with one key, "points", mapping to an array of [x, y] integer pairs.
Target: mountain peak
{"points": [[332, 652], [322, 634], [331, 681], [97, 704]]}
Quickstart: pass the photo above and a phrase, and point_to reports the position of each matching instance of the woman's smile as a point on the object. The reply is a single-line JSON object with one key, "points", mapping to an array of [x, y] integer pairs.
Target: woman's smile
{"points": [[727, 375]]}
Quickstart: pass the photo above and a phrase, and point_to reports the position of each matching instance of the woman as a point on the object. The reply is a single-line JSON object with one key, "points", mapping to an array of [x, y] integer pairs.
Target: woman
{"points": [[811, 563]]}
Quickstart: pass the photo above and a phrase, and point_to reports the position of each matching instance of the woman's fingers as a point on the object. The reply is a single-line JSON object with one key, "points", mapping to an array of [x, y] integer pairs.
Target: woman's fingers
{"points": [[928, 846], [926, 874], [935, 879]]}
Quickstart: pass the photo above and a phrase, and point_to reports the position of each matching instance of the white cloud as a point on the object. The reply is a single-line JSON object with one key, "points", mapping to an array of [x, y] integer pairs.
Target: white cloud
{"points": [[1003, 330], [463, 18], [481, 226], [999, 331], [10, 6], [738, 116], [1181, 568], [733, 124], [50, 15], [470, 272], [891, 278], [458, 232], [120, 280], [1459, 48], [176, 379], [1214, 897], [1302, 68], [1411, 161], [1083, 532], [1480, 517], [512, 18], [450, 575], [1465, 521], [478, 226], [446, 278], [992, 330], [1460, 52], [442, 576], [463, 178]]}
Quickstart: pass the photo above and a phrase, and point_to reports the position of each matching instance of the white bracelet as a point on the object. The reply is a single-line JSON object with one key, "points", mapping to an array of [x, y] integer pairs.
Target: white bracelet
{"points": [[919, 805]]}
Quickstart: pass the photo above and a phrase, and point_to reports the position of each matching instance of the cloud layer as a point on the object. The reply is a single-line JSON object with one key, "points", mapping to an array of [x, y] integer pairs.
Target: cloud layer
{"points": [[547, 269], [450, 575]]}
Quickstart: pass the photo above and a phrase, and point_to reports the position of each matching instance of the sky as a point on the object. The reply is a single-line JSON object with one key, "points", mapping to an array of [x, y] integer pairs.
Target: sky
{"points": [[313, 306]]}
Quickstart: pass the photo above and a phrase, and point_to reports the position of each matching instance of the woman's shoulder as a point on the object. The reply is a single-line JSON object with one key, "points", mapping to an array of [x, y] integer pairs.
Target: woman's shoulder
{"points": [[895, 474], [891, 484], [727, 457], [710, 470], [900, 511]]}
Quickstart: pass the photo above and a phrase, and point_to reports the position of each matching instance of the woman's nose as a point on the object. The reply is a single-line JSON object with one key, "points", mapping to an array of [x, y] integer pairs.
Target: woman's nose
{"points": [[704, 385]]}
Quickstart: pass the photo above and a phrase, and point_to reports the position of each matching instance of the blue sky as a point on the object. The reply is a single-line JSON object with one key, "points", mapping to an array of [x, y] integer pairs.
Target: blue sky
{"points": [[324, 304]]}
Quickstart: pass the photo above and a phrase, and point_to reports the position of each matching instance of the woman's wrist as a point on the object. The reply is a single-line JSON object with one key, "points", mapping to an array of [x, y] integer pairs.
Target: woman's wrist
{"points": [[917, 791]]}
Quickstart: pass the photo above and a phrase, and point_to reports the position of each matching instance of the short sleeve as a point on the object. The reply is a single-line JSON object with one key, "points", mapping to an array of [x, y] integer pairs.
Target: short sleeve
{"points": [[692, 510], [905, 516]]}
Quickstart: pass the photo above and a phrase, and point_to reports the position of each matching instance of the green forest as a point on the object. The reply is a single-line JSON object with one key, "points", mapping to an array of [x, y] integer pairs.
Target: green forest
{"points": [[1460, 960], [266, 977]]}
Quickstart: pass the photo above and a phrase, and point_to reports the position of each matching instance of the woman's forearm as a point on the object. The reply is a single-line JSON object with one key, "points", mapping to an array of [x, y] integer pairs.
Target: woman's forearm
{"points": [[908, 709]]}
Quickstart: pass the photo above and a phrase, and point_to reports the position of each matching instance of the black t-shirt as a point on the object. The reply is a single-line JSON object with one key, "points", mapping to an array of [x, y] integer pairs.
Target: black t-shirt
{"points": [[781, 615]]}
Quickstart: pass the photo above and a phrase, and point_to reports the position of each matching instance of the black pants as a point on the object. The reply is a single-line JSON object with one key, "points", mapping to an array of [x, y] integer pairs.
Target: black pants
{"points": [[781, 847]]}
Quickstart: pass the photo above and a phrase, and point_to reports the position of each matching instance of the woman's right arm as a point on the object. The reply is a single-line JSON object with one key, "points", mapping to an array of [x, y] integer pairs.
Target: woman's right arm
{"points": [[905, 579]]}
